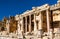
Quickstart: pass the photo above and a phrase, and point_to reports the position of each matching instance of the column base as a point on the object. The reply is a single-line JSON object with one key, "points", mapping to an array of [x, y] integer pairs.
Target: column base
{"points": [[29, 35], [40, 33], [20, 35]]}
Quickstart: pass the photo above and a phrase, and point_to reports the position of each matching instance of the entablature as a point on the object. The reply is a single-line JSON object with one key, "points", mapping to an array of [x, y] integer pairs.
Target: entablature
{"points": [[54, 7]]}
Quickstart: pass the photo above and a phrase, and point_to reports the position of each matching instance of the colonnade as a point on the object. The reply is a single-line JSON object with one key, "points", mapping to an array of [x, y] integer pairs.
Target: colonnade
{"points": [[35, 25]]}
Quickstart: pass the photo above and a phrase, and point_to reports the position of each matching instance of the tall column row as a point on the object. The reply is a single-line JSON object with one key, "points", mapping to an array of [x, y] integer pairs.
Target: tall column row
{"points": [[39, 24], [30, 27], [26, 24]]}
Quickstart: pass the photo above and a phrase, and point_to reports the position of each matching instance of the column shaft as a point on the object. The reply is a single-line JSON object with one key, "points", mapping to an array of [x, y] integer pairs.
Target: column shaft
{"points": [[40, 25], [40, 21], [22, 25], [30, 23], [35, 27], [7, 26], [48, 21], [18, 26], [26, 24]]}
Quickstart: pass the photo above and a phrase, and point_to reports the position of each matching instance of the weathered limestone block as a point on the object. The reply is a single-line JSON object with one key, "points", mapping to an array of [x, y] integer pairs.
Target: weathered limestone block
{"points": [[57, 36], [57, 33], [39, 34], [45, 37], [51, 34]]}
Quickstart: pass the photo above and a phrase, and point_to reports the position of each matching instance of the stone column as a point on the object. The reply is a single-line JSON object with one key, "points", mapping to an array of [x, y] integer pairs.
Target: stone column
{"points": [[18, 26], [7, 26], [26, 24], [30, 23], [22, 24], [35, 26], [40, 26], [18, 29], [40, 21], [48, 21]]}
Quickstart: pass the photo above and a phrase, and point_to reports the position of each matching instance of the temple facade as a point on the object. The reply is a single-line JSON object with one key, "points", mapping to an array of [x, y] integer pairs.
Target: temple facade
{"points": [[42, 22]]}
